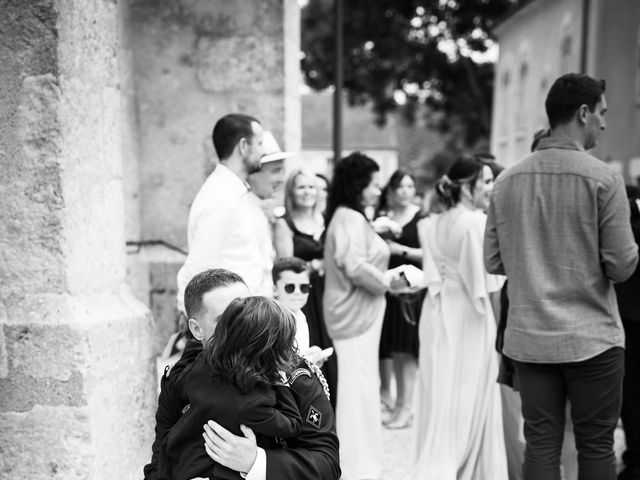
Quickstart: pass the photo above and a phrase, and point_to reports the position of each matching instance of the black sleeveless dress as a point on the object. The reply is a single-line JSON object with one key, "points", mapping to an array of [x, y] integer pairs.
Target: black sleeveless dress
{"points": [[400, 326], [307, 248]]}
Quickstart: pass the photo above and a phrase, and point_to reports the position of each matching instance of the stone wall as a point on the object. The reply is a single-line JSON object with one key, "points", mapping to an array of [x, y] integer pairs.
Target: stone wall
{"points": [[76, 371], [107, 109], [193, 62]]}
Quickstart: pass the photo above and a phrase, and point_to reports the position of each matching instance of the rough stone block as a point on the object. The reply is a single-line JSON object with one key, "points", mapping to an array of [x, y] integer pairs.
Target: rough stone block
{"points": [[92, 367], [240, 63], [138, 276], [219, 18], [121, 391], [163, 273], [165, 313], [4, 364], [20, 393], [46, 443], [45, 351], [30, 187]]}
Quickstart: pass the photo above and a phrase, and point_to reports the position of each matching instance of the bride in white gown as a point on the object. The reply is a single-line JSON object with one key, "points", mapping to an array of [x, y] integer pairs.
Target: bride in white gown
{"points": [[459, 418]]}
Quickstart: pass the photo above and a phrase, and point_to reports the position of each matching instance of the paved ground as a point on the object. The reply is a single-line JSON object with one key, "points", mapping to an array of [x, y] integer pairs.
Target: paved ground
{"points": [[398, 453]]}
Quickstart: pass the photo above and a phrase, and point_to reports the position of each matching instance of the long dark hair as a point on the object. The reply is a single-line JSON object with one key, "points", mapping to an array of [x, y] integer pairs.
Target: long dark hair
{"points": [[466, 170], [351, 176], [253, 342], [392, 185]]}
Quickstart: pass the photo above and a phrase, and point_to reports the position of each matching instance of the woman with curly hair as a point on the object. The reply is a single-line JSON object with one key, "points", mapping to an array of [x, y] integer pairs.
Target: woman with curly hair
{"points": [[354, 303], [459, 416]]}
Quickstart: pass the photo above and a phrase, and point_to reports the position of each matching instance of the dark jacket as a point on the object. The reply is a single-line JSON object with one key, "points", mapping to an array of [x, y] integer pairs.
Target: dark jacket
{"points": [[628, 292], [182, 454], [169, 405], [313, 454]]}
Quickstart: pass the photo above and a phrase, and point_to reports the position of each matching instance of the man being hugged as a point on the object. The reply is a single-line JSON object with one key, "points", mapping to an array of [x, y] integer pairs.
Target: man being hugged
{"points": [[311, 454]]}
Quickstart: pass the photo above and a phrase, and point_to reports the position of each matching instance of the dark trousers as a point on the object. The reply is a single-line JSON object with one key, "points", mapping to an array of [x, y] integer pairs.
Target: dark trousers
{"points": [[631, 395], [594, 388]]}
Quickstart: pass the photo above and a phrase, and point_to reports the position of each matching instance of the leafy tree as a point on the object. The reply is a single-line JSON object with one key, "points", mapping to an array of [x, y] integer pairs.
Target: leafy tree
{"points": [[401, 53]]}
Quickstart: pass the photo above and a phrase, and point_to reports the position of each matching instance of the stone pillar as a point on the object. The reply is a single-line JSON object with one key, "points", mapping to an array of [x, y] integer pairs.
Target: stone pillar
{"points": [[76, 375]]}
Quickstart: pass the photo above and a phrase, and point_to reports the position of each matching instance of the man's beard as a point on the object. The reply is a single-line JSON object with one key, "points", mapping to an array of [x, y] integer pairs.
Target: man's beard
{"points": [[252, 168]]}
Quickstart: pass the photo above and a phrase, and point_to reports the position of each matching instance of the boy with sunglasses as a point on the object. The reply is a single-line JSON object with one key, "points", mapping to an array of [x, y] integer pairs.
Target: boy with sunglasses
{"points": [[291, 280]]}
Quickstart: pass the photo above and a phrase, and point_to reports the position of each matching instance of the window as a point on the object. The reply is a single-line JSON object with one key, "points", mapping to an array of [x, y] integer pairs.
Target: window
{"points": [[566, 46], [545, 85], [638, 69], [521, 109], [505, 83]]}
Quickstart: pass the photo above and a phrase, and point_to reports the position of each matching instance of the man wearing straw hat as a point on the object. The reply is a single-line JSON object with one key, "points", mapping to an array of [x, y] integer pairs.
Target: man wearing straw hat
{"points": [[264, 186]]}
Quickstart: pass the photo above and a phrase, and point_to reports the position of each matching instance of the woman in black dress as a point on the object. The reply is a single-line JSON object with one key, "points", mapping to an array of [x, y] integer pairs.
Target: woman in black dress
{"points": [[298, 233], [399, 340]]}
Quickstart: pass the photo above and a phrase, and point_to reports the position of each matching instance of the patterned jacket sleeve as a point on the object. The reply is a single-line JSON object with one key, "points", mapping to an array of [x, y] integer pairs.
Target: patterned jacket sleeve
{"points": [[314, 453]]}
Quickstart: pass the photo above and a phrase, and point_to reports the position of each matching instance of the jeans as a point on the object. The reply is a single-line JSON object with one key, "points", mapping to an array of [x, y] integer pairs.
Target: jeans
{"points": [[631, 395], [594, 388]]}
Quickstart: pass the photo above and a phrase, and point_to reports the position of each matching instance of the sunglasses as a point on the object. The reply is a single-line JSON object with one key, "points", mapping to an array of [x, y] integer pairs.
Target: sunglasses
{"points": [[290, 287]]}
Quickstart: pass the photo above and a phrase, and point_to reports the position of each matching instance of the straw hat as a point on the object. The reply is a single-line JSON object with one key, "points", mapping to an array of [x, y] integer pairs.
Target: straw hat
{"points": [[272, 151]]}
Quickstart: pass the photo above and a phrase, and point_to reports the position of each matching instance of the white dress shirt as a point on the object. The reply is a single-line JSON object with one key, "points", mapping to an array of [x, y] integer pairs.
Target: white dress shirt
{"points": [[259, 469], [265, 245], [223, 232], [302, 331]]}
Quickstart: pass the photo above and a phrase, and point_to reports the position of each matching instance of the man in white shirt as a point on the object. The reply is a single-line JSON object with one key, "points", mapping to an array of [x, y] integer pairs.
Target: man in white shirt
{"points": [[222, 229]]}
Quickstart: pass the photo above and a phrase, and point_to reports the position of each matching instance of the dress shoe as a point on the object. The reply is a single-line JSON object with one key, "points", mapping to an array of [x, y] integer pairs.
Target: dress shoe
{"points": [[402, 419]]}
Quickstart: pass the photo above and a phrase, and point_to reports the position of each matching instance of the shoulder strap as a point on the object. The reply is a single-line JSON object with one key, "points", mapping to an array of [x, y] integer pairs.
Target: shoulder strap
{"points": [[289, 221], [297, 373], [323, 381]]}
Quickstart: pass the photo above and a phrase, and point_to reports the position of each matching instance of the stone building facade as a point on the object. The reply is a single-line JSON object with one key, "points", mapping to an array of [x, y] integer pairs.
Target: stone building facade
{"points": [[546, 38], [107, 109]]}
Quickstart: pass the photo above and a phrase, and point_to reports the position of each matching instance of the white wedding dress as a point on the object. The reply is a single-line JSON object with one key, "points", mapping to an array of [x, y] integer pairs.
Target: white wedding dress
{"points": [[459, 433]]}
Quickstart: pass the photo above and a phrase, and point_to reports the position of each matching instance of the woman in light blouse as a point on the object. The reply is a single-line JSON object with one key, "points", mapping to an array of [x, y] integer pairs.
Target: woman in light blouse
{"points": [[354, 304]]}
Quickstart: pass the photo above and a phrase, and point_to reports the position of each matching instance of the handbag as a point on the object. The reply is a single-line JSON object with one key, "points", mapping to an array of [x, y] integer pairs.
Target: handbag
{"points": [[408, 302]]}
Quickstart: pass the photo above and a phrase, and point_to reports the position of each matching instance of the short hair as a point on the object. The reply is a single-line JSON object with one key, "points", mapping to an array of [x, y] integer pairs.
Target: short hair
{"points": [[351, 175], [286, 264], [539, 135], [228, 131], [204, 282], [568, 93], [485, 156], [465, 171], [254, 341]]}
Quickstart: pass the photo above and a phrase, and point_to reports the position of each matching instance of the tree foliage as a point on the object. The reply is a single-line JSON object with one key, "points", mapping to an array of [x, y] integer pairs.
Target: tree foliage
{"points": [[401, 53]]}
